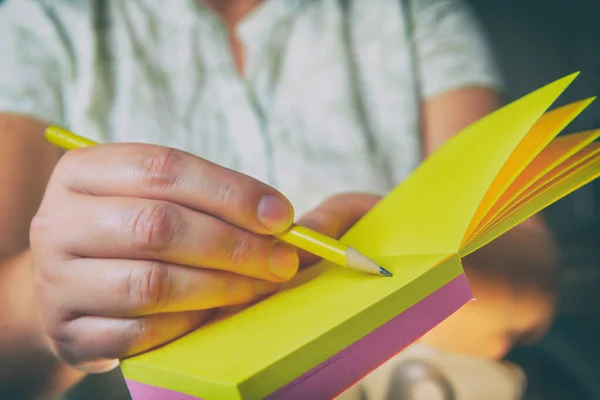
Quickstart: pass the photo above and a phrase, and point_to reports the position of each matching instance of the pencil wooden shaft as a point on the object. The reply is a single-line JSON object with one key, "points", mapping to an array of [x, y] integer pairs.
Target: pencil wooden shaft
{"points": [[66, 140], [315, 243]]}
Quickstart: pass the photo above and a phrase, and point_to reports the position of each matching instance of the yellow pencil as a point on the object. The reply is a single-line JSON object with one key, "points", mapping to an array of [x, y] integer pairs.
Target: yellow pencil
{"points": [[298, 236]]}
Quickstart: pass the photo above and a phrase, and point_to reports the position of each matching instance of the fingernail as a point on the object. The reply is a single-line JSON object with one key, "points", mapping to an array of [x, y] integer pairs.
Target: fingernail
{"points": [[284, 262], [274, 213]]}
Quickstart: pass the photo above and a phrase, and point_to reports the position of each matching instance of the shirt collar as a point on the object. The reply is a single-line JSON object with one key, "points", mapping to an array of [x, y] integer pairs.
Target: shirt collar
{"points": [[265, 17], [261, 21]]}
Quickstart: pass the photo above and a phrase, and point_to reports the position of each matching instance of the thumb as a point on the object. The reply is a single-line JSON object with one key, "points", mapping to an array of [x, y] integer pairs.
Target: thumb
{"points": [[334, 216]]}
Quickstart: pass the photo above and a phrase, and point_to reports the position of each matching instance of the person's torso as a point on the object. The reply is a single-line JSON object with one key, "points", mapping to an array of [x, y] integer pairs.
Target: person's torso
{"points": [[327, 103]]}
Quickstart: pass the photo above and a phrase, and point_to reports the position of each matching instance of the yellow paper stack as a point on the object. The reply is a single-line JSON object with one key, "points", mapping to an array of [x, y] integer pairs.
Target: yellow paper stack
{"points": [[487, 179]]}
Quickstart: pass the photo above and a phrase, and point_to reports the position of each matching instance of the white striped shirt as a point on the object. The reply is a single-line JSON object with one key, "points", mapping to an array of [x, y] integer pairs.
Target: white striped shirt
{"points": [[329, 101]]}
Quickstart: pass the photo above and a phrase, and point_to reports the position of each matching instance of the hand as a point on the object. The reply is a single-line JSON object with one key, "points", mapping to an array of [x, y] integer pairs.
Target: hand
{"points": [[134, 244], [335, 216]]}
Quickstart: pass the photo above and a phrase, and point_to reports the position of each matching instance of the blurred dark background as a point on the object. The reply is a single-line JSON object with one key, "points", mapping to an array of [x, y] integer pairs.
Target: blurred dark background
{"points": [[536, 42]]}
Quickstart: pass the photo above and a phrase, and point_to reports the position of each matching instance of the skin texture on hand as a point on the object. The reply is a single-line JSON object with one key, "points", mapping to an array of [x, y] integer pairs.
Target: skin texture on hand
{"points": [[134, 245]]}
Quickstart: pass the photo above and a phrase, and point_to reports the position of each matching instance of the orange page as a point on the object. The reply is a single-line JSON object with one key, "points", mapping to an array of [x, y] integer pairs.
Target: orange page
{"points": [[558, 151], [538, 137], [572, 165]]}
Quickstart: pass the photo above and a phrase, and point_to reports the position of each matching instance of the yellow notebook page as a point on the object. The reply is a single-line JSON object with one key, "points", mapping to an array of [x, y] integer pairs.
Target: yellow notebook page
{"points": [[434, 206], [268, 344]]}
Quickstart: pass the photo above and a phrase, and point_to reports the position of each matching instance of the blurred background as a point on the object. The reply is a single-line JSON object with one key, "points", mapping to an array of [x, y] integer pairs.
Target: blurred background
{"points": [[536, 42]]}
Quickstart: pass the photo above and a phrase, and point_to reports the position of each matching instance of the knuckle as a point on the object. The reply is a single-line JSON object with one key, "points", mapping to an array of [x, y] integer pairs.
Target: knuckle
{"points": [[161, 170], [66, 173], [64, 342], [70, 161], [150, 286], [155, 227], [225, 190], [40, 225], [43, 280], [48, 249], [139, 333], [143, 332], [69, 158], [79, 343], [67, 353], [240, 251]]}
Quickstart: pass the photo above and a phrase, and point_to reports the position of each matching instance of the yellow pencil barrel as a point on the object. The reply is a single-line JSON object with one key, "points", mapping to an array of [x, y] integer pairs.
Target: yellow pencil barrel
{"points": [[67, 140], [315, 243]]}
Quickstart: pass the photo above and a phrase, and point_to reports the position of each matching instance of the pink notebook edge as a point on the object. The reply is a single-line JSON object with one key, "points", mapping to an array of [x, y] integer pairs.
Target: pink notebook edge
{"points": [[348, 366]]}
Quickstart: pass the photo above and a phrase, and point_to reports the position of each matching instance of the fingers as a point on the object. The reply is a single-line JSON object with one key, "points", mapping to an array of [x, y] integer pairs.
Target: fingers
{"points": [[334, 216], [113, 227], [154, 172], [92, 342], [118, 238], [132, 288]]}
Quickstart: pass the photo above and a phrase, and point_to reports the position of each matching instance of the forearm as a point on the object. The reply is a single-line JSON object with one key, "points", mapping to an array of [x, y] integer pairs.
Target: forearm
{"points": [[26, 163], [28, 370], [447, 114]]}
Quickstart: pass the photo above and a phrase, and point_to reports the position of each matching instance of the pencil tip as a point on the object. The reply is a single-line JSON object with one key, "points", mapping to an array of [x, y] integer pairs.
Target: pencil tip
{"points": [[384, 271]]}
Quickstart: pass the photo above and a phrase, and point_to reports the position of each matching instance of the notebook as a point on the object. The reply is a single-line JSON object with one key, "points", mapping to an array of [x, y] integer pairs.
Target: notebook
{"points": [[330, 326]]}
